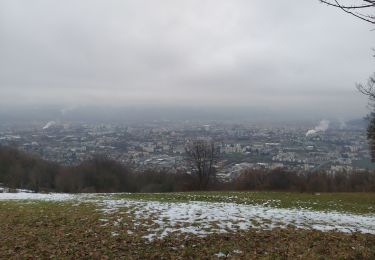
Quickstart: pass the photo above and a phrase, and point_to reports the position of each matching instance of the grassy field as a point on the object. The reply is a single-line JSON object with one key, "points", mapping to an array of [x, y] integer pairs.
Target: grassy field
{"points": [[363, 203], [87, 228]]}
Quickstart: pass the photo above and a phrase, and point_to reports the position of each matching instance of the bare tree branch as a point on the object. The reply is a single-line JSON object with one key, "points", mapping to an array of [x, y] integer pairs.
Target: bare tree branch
{"points": [[347, 7], [368, 88], [369, 5]]}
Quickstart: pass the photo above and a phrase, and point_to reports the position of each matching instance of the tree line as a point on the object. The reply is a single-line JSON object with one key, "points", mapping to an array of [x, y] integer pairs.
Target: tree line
{"points": [[19, 170], [283, 180], [23, 171]]}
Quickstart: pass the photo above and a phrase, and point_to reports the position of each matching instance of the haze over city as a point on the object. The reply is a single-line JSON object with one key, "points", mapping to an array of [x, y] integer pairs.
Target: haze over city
{"points": [[285, 60], [186, 129]]}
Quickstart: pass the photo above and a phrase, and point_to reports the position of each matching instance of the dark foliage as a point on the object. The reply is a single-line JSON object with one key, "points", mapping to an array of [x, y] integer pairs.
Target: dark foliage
{"points": [[281, 180], [371, 135], [150, 181], [20, 170], [96, 175]]}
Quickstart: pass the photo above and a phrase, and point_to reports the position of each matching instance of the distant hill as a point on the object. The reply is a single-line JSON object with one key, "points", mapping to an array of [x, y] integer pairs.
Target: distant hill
{"points": [[360, 122]]}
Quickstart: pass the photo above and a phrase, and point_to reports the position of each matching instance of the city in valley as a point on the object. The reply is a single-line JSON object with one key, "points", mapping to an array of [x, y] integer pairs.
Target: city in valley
{"points": [[164, 129], [302, 147]]}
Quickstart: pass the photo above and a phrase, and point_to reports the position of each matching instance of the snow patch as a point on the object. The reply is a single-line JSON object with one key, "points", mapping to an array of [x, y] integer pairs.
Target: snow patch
{"points": [[203, 218], [220, 254], [37, 196]]}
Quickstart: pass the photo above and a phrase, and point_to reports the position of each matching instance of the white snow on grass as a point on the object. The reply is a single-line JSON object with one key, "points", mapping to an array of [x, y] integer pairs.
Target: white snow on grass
{"points": [[74, 197], [203, 218], [161, 219], [37, 196]]}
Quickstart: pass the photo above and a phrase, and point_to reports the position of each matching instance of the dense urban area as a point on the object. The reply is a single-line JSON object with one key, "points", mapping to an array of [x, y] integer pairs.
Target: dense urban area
{"points": [[329, 147]]}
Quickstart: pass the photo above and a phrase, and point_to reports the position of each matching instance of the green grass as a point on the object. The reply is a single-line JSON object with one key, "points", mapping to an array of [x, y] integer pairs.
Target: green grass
{"points": [[359, 203]]}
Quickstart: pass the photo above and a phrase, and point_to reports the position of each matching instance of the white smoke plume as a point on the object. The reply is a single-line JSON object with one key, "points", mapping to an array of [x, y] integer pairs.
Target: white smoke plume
{"points": [[49, 124], [322, 127]]}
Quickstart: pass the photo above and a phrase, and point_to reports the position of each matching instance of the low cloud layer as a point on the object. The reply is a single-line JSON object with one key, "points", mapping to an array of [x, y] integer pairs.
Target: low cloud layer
{"points": [[293, 55]]}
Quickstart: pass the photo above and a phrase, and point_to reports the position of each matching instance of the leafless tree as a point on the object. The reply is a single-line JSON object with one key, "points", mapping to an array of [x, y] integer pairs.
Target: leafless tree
{"points": [[371, 135], [203, 154], [362, 9], [365, 11], [368, 88]]}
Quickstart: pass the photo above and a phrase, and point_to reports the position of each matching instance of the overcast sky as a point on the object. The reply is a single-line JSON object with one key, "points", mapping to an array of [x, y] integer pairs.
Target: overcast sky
{"points": [[285, 55]]}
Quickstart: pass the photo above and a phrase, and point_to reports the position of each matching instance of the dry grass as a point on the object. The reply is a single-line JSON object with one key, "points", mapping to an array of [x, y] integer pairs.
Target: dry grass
{"points": [[63, 230]]}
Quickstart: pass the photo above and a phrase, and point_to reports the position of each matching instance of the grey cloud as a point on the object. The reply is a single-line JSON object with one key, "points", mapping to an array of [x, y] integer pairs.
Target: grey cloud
{"points": [[288, 54]]}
